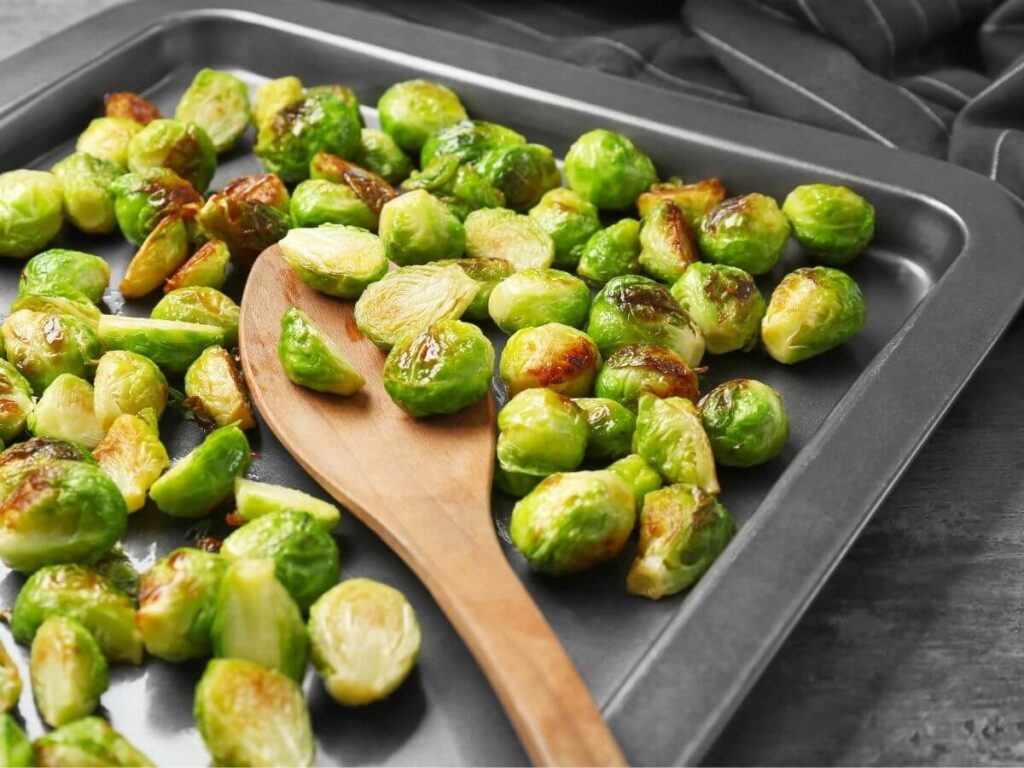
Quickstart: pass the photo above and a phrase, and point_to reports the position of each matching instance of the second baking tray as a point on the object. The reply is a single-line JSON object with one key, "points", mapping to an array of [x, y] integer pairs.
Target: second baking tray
{"points": [[942, 280]]}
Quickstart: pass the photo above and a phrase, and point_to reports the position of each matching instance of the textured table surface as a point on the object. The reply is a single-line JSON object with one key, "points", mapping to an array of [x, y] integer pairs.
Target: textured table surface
{"points": [[914, 652]]}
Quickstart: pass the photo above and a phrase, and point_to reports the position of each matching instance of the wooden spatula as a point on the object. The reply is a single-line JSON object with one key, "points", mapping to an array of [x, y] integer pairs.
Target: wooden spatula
{"points": [[423, 487]]}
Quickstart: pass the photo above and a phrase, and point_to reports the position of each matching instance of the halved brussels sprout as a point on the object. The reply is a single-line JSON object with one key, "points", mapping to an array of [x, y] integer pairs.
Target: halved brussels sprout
{"points": [[164, 250], [682, 531], [411, 299], [639, 476], [534, 297], [65, 272], [249, 215], [541, 432], [31, 211], [42, 346], [318, 201], [305, 557], [745, 421], [170, 344], [54, 302], [250, 715], [216, 392], [130, 106], [694, 200], [607, 169], [368, 187], [833, 223], [273, 96], [498, 233], [468, 140], [637, 368], [573, 521], [141, 201], [417, 228], [15, 749], [411, 111], [88, 198], [176, 604], [610, 428], [487, 273], [611, 252], [458, 185], [15, 402], [749, 232], [66, 412], [556, 356], [382, 155], [132, 454], [569, 220], [811, 311], [335, 259], [309, 358], [90, 741], [319, 121], [253, 500], [724, 303], [365, 640], [203, 306], [200, 481], [218, 102], [21, 458], [10, 681], [523, 173], [256, 619], [84, 595], [670, 437], [127, 383], [443, 369], [185, 148], [636, 310], [667, 243], [208, 267], [68, 669], [108, 138]]}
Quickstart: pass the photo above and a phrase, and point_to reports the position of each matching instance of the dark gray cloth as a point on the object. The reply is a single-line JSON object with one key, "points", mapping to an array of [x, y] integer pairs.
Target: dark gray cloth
{"points": [[940, 77]]}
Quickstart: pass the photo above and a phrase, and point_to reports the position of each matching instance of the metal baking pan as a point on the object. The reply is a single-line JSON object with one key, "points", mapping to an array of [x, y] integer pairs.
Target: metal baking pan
{"points": [[942, 280]]}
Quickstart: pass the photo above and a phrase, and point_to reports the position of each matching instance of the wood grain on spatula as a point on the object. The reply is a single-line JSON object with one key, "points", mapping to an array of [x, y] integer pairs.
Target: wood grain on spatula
{"points": [[424, 487]]}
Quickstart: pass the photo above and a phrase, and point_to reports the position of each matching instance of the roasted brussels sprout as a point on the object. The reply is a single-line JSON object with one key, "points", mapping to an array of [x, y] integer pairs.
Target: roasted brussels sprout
{"points": [[170, 344], [31, 211], [319, 121], [84, 595], [65, 272], [50, 302], [42, 346], [611, 426], [218, 102], [413, 110], [249, 215], [208, 267], [164, 250], [273, 96], [694, 200], [833, 223], [309, 357], [639, 476], [487, 273], [15, 749], [254, 500], [749, 232], [141, 201], [569, 220], [443, 369], [682, 531], [132, 454], [10, 682], [108, 138], [18, 460], [365, 640], [523, 173], [90, 741], [468, 140], [15, 403], [607, 169], [573, 521], [636, 310], [670, 437], [745, 421], [200, 481], [203, 306], [458, 185], [318, 201], [256, 619], [811, 311], [541, 432], [130, 106], [88, 198], [535, 297], [553, 355], [417, 228], [66, 412], [305, 556], [368, 187], [68, 669], [381, 154], [184, 148], [611, 252], [410, 299], [250, 715], [127, 383], [335, 259], [216, 392], [499, 233], [637, 368], [667, 243], [724, 303], [176, 604]]}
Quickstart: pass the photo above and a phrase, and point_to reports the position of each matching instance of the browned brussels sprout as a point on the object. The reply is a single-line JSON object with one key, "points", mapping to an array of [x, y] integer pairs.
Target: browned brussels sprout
{"points": [[250, 214], [694, 200], [637, 368], [667, 244], [131, 106], [142, 200], [372, 189]]}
